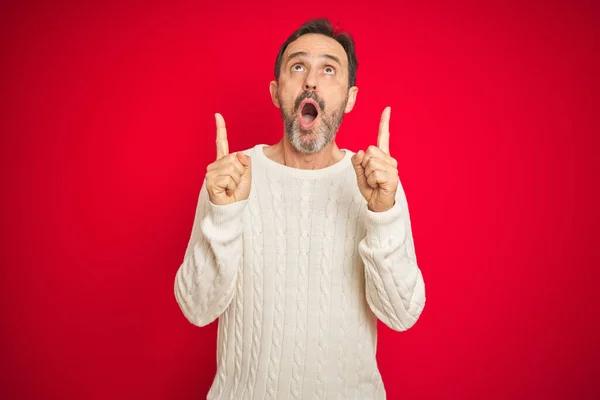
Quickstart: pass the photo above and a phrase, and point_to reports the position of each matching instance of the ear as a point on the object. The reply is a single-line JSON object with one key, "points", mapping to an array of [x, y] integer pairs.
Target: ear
{"points": [[352, 92], [273, 90]]}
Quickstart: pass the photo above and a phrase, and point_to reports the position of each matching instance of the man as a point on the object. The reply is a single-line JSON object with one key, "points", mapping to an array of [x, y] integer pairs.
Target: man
{"points": [[298, 248]]}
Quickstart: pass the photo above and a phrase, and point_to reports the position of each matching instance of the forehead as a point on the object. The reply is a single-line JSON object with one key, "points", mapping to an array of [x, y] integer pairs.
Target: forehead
{"points": [[316, 45]]}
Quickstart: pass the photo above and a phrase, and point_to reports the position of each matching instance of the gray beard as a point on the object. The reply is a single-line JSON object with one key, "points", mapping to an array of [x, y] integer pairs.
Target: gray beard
{"points": [[322, 134]]}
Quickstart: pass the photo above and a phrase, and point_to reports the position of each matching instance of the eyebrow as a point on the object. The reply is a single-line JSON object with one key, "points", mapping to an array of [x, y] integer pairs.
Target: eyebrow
{"points": [[305, 54]]}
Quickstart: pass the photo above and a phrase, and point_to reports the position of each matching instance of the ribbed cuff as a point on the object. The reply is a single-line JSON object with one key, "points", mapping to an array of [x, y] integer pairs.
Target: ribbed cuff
{"points": [[224, 223], [382, 226]]}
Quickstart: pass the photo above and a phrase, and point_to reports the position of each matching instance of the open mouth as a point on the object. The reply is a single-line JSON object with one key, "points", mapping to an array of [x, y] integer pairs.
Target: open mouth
{"points": [[308, 113]]}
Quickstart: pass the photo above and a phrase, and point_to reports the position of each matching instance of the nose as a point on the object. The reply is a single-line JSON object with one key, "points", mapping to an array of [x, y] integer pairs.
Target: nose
{"points": [[310, 83]]}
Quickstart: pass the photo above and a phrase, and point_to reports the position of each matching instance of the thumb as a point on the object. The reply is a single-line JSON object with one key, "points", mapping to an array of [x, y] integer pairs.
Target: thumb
{"points": [[357, 161], [244, 159]]}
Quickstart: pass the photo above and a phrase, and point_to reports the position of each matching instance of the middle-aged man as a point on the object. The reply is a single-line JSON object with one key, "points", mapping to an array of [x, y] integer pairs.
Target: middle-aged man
{"points": [[297, 248]]}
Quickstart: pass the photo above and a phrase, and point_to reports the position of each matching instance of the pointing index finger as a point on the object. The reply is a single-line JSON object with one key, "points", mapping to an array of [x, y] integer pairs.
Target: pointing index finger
{"points": [[383, 139], [222, 144]]}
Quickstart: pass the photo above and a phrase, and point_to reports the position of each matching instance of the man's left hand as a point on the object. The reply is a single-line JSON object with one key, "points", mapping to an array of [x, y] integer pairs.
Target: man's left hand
{"points": [[376, 171]]}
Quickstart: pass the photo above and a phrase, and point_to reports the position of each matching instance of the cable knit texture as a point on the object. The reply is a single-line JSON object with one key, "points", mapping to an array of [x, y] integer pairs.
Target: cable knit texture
{"points": [[297, 276]]}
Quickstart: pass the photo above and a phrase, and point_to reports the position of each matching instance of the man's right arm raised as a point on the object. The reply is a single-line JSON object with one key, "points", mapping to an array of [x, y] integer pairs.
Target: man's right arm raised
{"points": [[206, 280]]}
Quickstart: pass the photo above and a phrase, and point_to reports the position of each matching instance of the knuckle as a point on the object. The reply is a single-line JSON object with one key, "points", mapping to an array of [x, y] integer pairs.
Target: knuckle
{"points": [[229, 169]]}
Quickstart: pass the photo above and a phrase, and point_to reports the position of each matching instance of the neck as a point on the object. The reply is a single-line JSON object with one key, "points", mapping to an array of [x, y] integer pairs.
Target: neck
{"points": [[284, 153]]}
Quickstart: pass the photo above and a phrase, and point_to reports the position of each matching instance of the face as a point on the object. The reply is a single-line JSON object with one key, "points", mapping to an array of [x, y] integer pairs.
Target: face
{"points": [[312, 91]]}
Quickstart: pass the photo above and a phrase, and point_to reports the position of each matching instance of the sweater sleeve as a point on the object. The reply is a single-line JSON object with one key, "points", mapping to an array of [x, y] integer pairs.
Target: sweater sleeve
{"points": [[205, 281], [395, 289]]}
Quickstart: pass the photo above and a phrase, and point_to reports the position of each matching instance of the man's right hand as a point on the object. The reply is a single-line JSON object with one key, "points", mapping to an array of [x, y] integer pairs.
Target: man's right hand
{"points": [[229, 178]]}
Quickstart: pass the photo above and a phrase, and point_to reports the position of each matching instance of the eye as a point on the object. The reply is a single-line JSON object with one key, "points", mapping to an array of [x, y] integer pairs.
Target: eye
{"points": [[329, 70], [297, 68]]}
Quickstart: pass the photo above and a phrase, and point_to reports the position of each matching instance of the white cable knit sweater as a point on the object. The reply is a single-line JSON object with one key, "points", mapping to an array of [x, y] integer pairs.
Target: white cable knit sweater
{"points": [[298, 275]]}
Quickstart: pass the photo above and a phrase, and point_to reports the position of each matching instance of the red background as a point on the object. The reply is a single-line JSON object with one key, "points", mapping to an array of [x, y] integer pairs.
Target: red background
{"points": [[107, 127]]}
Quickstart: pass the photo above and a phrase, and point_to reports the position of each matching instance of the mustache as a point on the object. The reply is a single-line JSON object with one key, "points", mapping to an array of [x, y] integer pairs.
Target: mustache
{"points": [[307, 94]]}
